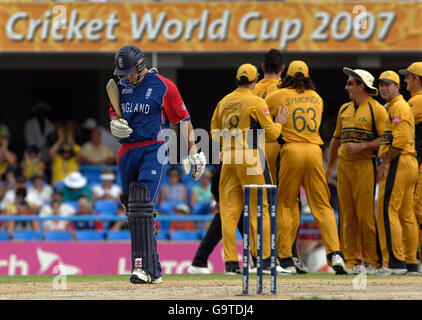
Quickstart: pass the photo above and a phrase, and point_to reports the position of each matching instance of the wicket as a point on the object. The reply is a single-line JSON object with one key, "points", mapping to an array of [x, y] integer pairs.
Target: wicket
{"points": [[272, 197]]}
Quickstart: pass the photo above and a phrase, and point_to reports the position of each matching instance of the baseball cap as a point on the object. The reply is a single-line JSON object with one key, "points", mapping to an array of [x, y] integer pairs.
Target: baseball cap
{"points": [[247, 70], [298, 66], [415, 68], [107, 174], [389, 77], [364, 76]]}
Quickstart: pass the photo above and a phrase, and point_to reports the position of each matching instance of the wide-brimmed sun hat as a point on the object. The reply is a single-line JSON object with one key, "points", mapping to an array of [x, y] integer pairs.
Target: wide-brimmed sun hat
{"points": [[364, 76], [75, 180]]}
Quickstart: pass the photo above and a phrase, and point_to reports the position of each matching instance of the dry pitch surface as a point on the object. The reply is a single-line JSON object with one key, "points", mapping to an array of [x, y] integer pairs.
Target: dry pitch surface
{"points": [[209, 287]]}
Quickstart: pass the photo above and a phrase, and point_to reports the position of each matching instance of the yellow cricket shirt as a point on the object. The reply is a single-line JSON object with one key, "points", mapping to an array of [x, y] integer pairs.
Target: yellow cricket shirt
{"points": [[240, 111], [359, 124], [264, 87], [399, 129], [305, 114]]}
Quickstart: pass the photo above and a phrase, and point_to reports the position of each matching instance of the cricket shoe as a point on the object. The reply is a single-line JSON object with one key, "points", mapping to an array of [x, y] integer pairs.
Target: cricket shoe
{"points": [[198, 270], [412, 269], [139, 276], [337, 263], [278, 270], [253, 270], [289, 270], [285, 271], [157, 280], [300, 267], [232, 268], [384, 271], [370, 268], [366, 268]]}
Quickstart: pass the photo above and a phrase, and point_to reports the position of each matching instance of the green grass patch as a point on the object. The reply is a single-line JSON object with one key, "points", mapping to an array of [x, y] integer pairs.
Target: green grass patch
{"points": [[169, 277]]}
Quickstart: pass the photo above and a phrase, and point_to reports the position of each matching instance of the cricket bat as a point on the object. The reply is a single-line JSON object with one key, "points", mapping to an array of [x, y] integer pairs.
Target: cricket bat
{"points": [[114, 95]]}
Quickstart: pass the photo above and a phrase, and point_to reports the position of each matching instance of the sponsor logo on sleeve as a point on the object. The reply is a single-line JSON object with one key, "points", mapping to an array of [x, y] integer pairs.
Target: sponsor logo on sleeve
{"points": [[148, 94], [396, 119]]}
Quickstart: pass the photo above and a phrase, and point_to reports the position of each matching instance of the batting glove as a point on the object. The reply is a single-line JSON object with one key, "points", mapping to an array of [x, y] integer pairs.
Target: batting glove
{"points": [[120, 129], [198, 161]]}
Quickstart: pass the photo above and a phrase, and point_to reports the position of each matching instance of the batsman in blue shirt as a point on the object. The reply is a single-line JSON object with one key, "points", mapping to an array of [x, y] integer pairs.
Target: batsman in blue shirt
{"points": [[149, 102]]}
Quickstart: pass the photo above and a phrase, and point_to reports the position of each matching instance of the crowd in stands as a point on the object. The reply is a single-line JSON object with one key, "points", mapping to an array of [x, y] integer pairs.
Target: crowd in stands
{"points": [[62, 175], [58, 176]]}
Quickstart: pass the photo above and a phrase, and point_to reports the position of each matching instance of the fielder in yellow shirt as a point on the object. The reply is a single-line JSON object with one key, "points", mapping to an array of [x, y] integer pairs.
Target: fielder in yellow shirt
{"points": [[236, 120], [397, 176], [273, 67], [301, 164], [413, 78], [356, 139]]}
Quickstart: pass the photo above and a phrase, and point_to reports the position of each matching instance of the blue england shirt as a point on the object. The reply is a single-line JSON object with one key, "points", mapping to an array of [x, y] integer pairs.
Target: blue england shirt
{"points": [[149, 107]]}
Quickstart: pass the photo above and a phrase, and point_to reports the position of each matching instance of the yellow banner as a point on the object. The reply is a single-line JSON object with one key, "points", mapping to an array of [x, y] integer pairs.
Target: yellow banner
{"points": [[211, 27]]}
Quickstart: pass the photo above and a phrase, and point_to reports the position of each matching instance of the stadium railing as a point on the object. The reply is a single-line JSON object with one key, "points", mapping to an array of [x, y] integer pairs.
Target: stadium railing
{"points": [[41, 234], [100, 218]]}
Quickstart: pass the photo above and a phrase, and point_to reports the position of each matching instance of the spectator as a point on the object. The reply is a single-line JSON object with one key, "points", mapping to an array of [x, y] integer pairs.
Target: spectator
{"points": [[65, 209], [32, 164], [10, 195], [86, 208], [45, 151], [106, 137], [201, 195], [64, 156], [120, 224], [76, 186], [39, 192], [182, 209], [7, 157], [38, 126], [58, 209], [96, 153], [107, 190], [175, 190], [9, 178], [19, 208]]}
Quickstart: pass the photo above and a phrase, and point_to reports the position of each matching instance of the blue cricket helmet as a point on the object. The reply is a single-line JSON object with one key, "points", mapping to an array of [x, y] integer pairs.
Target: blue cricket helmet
{"points": [[127, 59]]}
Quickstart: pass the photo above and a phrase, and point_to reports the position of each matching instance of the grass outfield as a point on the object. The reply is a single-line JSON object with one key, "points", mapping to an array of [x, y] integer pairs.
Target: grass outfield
{"points": [[177, 277]]}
